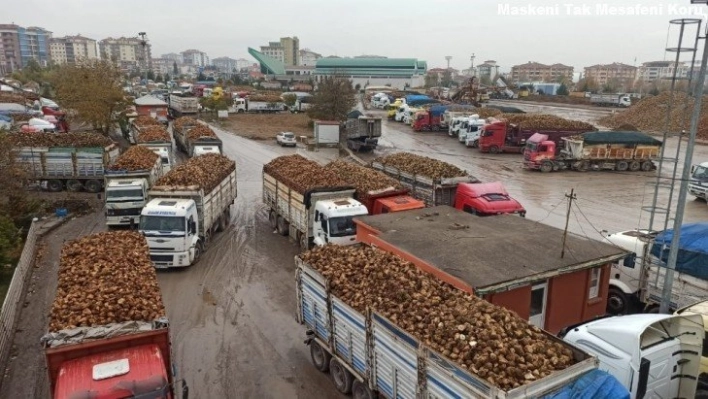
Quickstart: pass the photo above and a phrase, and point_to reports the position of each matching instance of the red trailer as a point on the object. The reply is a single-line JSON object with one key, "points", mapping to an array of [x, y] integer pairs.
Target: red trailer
{"points": [[501, 136]]}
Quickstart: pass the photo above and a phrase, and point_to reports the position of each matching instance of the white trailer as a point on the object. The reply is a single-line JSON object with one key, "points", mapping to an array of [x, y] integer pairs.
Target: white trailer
{"points": [[368, 353], [611, 100], [652, 355], [180, 105], [127, 193], [261, 107], [179, 221]]}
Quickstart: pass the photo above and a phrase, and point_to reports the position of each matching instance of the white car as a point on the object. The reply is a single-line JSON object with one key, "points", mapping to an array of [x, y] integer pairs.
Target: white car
{"points": [[286, 139]]}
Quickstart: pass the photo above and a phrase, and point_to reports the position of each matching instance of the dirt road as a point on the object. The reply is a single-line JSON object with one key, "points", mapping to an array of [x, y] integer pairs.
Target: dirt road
{"points": [[581, 113]]}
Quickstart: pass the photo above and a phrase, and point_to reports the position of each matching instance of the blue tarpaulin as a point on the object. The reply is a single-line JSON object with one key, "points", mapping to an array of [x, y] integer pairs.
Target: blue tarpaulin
{"points": [[693, 249], [596, 384]]}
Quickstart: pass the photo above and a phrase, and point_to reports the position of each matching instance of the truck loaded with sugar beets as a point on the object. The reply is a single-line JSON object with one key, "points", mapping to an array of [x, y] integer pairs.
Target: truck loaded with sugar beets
{"points": [[362, 131], [621, 151], [510, 134], [378, 192], [439, 183], [127, 183], [109, 338], [382, 327], [309, 203], [429, 119], [187, 207], [157, 139], [195, 139], [67, 161]]}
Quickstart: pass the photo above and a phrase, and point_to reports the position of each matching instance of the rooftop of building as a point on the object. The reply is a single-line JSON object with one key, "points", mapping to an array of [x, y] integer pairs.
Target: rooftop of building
{"points": [[371, 63], [488, 253], [534, 64], [610, 66]]}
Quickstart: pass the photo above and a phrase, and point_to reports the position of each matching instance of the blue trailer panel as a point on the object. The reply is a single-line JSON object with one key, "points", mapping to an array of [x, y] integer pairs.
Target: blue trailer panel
{"points": [[313, 304], [395, 360], [349, 335]]}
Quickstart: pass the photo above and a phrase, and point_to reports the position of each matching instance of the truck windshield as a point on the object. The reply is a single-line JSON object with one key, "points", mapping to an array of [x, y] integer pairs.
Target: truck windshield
{"points": [[487, 133], [162, 223], [701, 173], [165, 160], [531, 146], [342, 226], [118, 194]]}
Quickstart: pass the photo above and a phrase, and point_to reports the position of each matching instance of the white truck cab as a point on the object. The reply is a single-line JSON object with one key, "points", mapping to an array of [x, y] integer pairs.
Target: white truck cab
{"points": [[626, 274], [124, 200], [171, 226], [652, 355], [401, 113], [165, 157], [625, 101], [698, 186], [334, 221], [205, 149], [473, 127]]}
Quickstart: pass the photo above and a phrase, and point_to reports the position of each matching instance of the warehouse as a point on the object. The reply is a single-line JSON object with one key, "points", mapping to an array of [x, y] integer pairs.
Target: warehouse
{"points": [[399, 73], [508, 260]]}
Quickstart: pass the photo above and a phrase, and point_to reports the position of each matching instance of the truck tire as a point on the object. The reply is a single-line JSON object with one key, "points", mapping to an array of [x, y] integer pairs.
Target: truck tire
{"points": [[622, 166], [647, 166], [494, 149], [320, 357], [635, 166], [436, 128], [93, 186], [546, 166], [361, 391], [617, 302], [55, 186], [282, 226], [198, 250], [74, 185], [341, 377], [273, 220], [583, 166]]}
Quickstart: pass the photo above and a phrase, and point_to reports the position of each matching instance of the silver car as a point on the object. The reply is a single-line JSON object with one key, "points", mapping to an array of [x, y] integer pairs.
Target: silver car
{"points": [[286, 139]]}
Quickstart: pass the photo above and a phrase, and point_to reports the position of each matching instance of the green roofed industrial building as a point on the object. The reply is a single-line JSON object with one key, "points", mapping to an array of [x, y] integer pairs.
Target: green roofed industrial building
{"points": [[396, 72]]}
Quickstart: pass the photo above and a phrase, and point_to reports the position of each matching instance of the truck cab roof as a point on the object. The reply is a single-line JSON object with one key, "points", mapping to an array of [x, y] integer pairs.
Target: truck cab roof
{"points": [[401, 203], [118, 373], [124, 182], [343, 207], [168, 207]]}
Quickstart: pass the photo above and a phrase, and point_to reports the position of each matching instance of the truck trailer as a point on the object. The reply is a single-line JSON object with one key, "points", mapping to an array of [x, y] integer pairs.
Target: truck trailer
{"points": [[196, 146], [362, 133], [182, 104], [652, 355], [73, 168], [429, 119], [180, 221], [127, 193], [260, 107], [501, 136], [621, 151], [157, 139], [368, 354], [126, 359], [611, 100]]}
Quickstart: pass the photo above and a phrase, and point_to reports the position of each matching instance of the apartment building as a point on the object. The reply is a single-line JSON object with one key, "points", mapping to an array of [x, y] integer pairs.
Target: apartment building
{"points": [[309, 57], [489, 69], [129, 53], [195, 58], [18, 45], [615, 72], [243, 63], [536, 72], [172, 57], [72, 49], [287, 50], [161, 66], [225, 64], [658, 70]]}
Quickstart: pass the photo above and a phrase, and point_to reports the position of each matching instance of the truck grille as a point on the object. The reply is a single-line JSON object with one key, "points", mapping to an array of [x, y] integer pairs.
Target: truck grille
{"points": [[161, 258]]}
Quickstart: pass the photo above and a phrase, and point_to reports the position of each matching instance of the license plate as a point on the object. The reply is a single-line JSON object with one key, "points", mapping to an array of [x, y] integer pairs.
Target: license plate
{"points": [[160, 266]]}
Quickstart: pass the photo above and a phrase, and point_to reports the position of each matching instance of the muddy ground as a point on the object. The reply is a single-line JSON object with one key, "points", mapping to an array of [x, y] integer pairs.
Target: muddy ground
{"points": [[265, 126], [233, 314]]}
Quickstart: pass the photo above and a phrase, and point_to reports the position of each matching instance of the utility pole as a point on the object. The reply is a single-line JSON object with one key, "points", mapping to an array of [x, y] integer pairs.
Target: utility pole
{"points": [[685, 176], [570, 197]]}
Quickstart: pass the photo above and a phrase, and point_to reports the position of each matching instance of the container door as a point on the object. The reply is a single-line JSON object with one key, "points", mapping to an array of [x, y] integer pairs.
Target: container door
{"points": [[537, 315]]}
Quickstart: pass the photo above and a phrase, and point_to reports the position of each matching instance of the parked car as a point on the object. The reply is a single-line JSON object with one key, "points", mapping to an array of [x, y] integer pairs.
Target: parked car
{"points": [[286, 139]]}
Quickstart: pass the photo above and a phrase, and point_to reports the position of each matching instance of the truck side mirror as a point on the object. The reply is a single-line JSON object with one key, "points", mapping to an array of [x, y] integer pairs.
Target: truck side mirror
{"points": [[644, 366], [193, 227]]}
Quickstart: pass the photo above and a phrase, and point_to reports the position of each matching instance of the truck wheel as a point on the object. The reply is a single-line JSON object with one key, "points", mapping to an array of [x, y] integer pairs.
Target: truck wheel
{"points": [[74, 185], [622, 166], [583, 166], [616, 302], [341, 377], [282, 226], [273, 220], [54, 186], [647, 166], [320, 357], [361, 391], [546, 166], [436, 128], [198, 250], [634, 166], [494, 149], [475, 144], [93, 186]]}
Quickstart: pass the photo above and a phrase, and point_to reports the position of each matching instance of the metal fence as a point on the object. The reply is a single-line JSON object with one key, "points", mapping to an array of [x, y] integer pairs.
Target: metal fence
{"points": [[11, 305]]}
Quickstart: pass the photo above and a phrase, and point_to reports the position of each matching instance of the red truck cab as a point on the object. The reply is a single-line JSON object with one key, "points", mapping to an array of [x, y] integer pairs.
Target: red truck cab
{"points": [[539, 149], [497, 137], [486, 199]]}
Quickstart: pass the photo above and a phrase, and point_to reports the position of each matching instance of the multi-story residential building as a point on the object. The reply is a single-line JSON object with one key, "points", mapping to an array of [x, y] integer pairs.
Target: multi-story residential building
{"points": [[225, 64], [72, 49], [489, 69], [617, 73], [658, 70], [172, 57], [535, 71], [195, 58], [161, 66], [129, 53], [440, 72], [18, 45], [287, 50], [243, 63], [309, 57]]}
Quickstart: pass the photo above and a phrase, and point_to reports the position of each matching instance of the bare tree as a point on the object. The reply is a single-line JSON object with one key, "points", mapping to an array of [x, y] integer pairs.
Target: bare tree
{"points": [[334, 99]]}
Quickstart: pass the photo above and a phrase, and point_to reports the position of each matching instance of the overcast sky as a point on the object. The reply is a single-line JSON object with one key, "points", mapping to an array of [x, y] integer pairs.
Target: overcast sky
{"points": [[424, 29]]}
